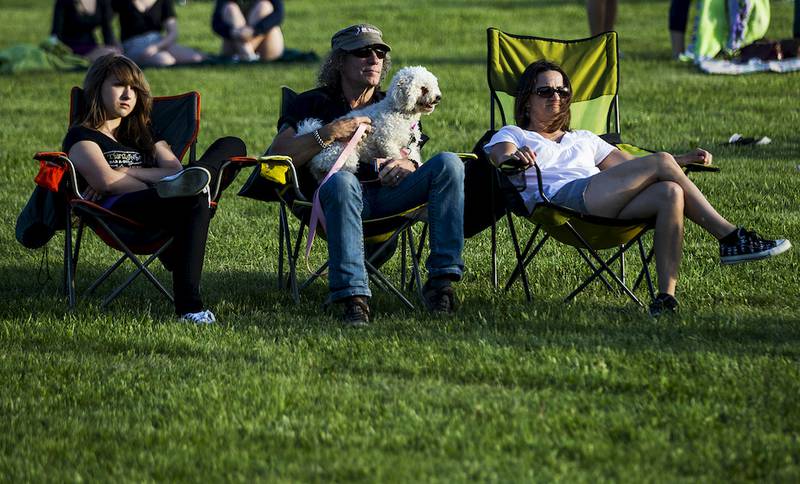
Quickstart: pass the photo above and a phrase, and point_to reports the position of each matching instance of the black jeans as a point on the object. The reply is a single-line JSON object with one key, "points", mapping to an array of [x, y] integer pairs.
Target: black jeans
{"points": [[187, 219]]}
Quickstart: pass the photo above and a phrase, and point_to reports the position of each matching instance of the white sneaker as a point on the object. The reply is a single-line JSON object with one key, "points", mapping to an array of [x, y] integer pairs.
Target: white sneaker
{"points": [[201, 317], [185, 183]]}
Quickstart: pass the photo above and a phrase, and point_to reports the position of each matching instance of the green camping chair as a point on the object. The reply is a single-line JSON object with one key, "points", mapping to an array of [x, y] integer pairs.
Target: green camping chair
{"points": [[278, 180], [178, 120], [593, 67]]}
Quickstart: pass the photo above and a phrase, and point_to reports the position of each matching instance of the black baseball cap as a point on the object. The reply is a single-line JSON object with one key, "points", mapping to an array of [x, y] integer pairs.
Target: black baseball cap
{"points": [[357, 36]]}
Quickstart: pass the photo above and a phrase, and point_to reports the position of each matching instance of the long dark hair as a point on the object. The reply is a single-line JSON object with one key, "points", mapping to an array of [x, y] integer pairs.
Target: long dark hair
{"points": [[331, 69], [133, 130], [527, 85]]}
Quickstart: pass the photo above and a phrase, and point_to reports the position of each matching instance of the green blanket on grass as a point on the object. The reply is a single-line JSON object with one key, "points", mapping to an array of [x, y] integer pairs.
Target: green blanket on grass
{"points": [[44, 57]]}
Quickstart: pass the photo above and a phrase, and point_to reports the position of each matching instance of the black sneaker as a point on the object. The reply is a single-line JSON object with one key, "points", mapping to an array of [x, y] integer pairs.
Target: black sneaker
{"points": [[356, 312], [663, 303], [441, 300], [742, 246]]}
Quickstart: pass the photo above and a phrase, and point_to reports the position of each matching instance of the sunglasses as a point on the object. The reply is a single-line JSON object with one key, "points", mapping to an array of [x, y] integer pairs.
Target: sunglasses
{"points": [[548, 92], [365, 52]]}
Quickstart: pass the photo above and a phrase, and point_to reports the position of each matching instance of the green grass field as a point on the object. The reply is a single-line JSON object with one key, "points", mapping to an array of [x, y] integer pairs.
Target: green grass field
{"points": [[504, 391]]}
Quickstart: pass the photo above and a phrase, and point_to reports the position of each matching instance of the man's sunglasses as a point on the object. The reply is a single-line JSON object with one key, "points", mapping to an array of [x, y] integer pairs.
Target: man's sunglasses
{"points": [[548, 92], [365, 52]]}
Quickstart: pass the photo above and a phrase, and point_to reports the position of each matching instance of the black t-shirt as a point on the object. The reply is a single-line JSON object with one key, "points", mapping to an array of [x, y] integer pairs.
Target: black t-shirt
{"points": [[132, 22], [116, 154], [76, 28], [326, 104]]}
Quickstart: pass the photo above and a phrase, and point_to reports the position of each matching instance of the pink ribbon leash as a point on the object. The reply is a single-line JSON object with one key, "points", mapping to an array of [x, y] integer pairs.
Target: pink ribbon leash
{"points": [[317, 215]]}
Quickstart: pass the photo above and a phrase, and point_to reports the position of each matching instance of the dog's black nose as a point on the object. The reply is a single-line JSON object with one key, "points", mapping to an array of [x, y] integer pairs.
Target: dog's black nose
{"points": [[437, 99]]}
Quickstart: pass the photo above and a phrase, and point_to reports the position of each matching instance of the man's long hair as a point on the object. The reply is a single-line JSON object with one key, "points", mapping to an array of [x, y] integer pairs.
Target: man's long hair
{"points": [[330, 73], [527, 86], [134, 128]]}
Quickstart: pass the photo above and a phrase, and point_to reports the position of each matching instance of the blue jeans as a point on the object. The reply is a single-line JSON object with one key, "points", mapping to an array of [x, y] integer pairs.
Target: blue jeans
{"points": [[345, 202]]}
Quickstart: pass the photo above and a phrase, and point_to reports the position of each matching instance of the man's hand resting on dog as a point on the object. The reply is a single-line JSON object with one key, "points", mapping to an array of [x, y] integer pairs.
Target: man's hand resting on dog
{"points": [[394, 170], [343, 129]]}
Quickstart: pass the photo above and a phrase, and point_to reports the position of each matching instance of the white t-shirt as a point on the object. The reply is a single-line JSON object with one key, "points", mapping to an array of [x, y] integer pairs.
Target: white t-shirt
{"points": [[576, 156]]}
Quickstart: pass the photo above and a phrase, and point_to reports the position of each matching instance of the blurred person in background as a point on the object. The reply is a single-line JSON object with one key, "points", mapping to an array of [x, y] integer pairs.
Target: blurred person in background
{"points": [[250, 29]]}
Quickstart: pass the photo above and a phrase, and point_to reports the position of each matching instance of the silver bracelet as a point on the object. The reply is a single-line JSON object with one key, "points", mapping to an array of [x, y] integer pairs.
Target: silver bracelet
{"points": [[321, 143]]}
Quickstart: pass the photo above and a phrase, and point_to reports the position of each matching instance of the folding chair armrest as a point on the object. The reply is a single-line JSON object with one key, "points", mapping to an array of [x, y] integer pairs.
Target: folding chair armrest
{"points": [[59, 158], [467, 156], [56, 157], [699, 167], [269, 162], [243, 161]]}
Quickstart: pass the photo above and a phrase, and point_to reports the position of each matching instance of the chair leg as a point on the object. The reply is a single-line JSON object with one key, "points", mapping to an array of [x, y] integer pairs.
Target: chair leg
{"points": [[313, 277], [69, 276], [387, 285], [105, 275], [520, 259], [604, 266], [622, 267], [415, 271], [281, 223], [403, 263], [527, 256], [418, 254], [595, 271], [141, 267], [292, 256], [494, 254]]}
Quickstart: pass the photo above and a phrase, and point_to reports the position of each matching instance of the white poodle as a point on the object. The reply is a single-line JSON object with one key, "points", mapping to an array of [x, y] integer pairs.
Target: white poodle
{"points": [[414, 91]]}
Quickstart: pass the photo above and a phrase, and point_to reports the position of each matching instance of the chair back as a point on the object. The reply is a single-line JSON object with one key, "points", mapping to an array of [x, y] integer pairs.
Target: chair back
{"points": [[591, 64], [176, 118]]}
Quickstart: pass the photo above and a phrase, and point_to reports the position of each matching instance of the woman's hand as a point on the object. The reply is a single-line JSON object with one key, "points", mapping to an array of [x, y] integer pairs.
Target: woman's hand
{"points": [[150, 50], [526, 156], [697, 156], [243, 33], [343, 129], [394, 170]]}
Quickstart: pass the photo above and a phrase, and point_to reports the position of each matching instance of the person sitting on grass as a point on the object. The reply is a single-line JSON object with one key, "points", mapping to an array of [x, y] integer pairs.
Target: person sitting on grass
{"points": [[130, 170], [141, 24], [350, 78], [250, 30], [74, 23], [582, 172]]}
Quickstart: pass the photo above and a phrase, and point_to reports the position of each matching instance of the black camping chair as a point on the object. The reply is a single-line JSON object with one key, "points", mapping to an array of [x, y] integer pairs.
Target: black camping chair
{"points": [[278, 180], [178, 120]]}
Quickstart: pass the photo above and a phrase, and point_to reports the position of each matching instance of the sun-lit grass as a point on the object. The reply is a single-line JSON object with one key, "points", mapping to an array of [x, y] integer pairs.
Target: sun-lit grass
{"points": [[504, 391]]}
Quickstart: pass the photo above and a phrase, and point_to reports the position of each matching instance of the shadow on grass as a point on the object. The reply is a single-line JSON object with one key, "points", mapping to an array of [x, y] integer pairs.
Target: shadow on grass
{"points": [[251, 301]]}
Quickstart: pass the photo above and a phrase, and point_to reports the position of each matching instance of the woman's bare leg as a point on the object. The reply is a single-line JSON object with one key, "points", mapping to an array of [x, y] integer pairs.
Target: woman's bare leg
{"points": [[233, 16], [665, 202], [161, 58], [611, 190], [185, 55], [268, 46]]}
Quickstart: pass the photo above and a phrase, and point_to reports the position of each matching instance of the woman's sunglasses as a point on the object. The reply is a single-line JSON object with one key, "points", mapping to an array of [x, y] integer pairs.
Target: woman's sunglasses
{"points": [[548, 92], [365, 52]]}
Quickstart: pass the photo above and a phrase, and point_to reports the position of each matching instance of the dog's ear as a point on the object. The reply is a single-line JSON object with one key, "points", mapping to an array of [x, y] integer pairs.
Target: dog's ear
{"points": [[402, 90]]}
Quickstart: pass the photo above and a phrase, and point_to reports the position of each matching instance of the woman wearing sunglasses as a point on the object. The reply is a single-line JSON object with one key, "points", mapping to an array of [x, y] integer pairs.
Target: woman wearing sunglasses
{"points": [[582, 172]]}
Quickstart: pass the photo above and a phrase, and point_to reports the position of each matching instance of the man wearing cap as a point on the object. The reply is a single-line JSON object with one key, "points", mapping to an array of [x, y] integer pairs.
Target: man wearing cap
{"points": [[349, 79]]}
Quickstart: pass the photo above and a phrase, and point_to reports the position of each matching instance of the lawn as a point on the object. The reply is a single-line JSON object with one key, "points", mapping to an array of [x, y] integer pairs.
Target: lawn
{"points": [[506, 390]]}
